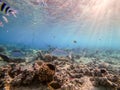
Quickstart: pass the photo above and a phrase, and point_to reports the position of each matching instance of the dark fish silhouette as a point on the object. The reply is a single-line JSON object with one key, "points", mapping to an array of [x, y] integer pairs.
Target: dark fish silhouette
{"points": [[74, 41]]}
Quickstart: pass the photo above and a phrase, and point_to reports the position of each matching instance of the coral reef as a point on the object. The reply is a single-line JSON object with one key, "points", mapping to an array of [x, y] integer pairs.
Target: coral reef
{"points": [[18, 75], [47, 72]]}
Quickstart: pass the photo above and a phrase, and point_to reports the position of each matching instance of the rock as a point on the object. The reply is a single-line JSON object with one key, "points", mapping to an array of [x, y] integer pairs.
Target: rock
{"points": [[111, 62], [1, 59], [68, 87], [80, 81], [72, 67], [2, 49], [103, 81], [14, 75], [104, 71], [54, 85], [118, 88], [76, 75], [14, 70], [9, 59], [96, 72], [17, 81], [5, 58], [2, 75], [39, 56], [59, 78], [63, 59], [54, 58], [87, 71], [27, 77], [77, 56], [48, 58], [17, 60], [103, 65], [115, 78]]}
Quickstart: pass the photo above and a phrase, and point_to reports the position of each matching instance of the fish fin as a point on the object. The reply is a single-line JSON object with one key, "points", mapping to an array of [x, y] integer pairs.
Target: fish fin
{"points": [[14, 12]]}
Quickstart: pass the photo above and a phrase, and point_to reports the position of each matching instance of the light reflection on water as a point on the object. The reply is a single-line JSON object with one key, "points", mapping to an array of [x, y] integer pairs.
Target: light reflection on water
{"points": [[92, 23]]}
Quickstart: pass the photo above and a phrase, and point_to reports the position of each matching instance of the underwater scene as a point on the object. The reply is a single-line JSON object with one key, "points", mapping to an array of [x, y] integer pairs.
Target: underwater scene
{"points": [[59, 44]]}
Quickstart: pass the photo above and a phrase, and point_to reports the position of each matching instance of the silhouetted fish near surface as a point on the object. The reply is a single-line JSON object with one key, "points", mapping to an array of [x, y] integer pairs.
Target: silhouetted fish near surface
{"points": [[74, 41]]}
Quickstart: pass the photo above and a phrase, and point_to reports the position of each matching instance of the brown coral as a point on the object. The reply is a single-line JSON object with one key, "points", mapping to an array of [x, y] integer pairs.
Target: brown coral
{"points": [[14, 75], [45, 72]]}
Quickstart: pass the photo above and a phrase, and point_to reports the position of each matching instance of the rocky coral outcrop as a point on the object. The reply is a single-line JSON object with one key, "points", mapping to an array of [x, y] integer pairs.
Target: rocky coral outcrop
{"points": [[57, 73], [17, 75]]}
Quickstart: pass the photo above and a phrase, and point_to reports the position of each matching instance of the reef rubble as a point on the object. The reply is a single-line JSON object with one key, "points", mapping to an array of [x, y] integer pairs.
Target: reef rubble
{"points": [[48, 72]]}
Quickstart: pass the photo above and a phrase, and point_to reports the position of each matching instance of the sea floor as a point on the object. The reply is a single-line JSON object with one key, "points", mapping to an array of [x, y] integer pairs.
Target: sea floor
{"points": [[59, 69]]}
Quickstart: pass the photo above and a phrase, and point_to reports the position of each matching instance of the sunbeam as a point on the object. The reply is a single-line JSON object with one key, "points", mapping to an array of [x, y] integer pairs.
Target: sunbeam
{"points": [[94, 22]]}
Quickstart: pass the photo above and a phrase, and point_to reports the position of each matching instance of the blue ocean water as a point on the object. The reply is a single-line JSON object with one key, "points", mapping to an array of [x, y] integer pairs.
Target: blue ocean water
{"points": [[62, 25]]}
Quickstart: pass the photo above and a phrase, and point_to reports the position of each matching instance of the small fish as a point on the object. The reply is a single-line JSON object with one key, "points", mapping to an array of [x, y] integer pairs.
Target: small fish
{"points": [[59, 52], [7, 10], [1, 24], [74, 41], [5, 19]]}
